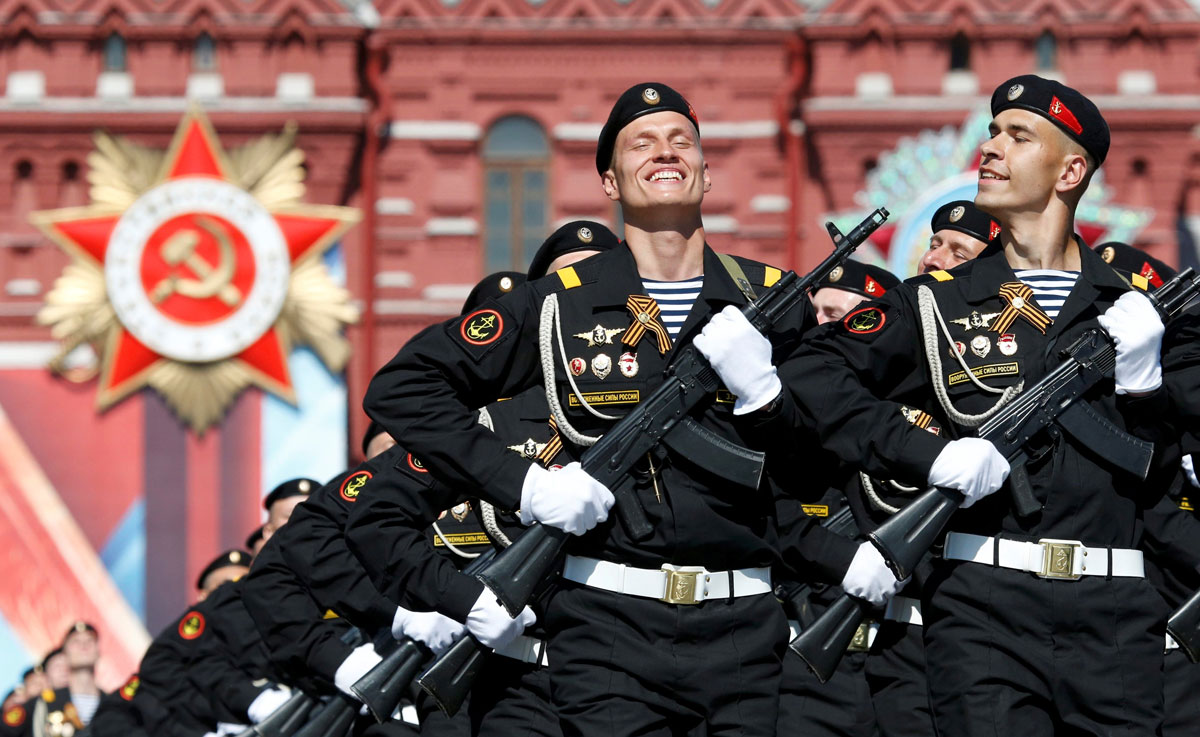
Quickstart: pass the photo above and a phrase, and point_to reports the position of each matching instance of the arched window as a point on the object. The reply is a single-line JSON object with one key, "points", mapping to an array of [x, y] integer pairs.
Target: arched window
{"points": [[1045, 52], [114, 53], [960, 53], [204, 53], [515, 158]]}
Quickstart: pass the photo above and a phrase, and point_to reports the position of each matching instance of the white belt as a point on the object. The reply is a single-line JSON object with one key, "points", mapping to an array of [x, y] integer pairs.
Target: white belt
{"points": [[1171, 644], [905, 610], [525, 649], [864, 637], [1059, 559], [672, 584]]}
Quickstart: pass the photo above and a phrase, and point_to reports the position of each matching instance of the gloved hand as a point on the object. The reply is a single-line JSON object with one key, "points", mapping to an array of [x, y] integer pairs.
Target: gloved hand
{"points": [[356, 665], [869, 577], [1137, 331], [741, 356], [224, 729], [970, 465], [490, 624], [1189, 469], [568, 499], [265, 703], [436, 631]]}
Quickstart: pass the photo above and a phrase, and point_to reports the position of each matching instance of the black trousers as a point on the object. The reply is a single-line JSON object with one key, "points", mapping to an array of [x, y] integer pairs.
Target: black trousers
{"points": [[434, 723], [1181, 691], [512, 698], [1012, 654], [631, 667], [840, 707], [895, 675]]}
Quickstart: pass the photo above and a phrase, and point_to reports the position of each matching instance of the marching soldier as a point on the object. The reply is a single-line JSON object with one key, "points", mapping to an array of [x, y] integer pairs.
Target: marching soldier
{"points": [[960, 233], [1013, 645], [628, 653]]}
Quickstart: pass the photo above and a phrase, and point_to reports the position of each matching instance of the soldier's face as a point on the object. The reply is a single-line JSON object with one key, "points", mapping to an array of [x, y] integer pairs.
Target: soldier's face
{"points": [[657, 163], [278, 515], [949, 248], [222, 575], [58, 671], [832, 304], [379, 444], [1025, 164], [81, 649]]}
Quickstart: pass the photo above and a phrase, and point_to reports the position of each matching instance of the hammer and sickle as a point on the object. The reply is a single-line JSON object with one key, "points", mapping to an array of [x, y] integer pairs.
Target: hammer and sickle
{"points": [[480, 330], [217, 280]]}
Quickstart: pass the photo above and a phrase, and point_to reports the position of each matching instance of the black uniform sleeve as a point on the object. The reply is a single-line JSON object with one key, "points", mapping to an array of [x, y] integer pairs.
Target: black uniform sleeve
{"points": [[386, 531], [427, 395], [313, 545], [164, 679], [1181, 376], [301, 642], [218, 669], [836, 374]]}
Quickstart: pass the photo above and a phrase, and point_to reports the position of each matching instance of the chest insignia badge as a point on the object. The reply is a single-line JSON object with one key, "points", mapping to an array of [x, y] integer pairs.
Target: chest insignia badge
{"points": [[976, 320], [578, 366], [599, 335], [601, 365], [628, 364], [981, 345], [1007, 344], [528, 450]]}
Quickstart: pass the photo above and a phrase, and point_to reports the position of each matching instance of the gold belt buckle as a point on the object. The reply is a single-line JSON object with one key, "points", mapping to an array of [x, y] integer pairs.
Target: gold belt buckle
{"points": [[862, 638], [1058, 559], [681, 587]]}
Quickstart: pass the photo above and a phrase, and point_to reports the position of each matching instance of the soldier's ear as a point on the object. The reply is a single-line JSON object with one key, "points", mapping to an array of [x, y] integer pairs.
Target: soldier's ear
{"points": [[608, 181]]}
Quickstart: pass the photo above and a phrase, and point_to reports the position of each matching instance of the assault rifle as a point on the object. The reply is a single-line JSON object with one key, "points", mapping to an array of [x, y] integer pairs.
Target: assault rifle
{"points": [[905, 537], [384, 685], [1184, 627], [663, 417], [333, 719]]}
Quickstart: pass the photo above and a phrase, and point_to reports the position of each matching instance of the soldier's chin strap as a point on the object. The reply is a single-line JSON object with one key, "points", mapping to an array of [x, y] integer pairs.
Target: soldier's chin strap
{"points": [[931, 315]]}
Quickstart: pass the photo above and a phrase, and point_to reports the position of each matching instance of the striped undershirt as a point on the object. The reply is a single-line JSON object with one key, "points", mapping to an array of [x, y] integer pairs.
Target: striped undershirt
{"points": [[1050, 287], [85, 706], [675, 299]]}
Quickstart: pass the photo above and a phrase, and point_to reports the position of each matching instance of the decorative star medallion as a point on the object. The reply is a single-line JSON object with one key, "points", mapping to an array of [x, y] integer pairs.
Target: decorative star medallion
{"points": [[194, 272]]}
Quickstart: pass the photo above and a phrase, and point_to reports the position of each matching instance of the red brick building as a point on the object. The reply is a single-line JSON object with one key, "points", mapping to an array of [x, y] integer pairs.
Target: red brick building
{"points": [[465, 130]]}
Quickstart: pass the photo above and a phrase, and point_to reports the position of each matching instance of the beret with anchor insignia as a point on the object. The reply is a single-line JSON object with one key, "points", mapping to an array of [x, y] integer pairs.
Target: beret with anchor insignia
{"points": [[965, 217], [577, 235], [294, 487], [224, 560], [638, 100], [854, 276], [1067, 108], [1133, 260]]}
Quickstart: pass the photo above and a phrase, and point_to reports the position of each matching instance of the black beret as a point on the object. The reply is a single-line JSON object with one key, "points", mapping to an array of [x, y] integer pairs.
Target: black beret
{"points": [[965, 217], [295, 487], [1135, 261], [854, 276], [1076, 115], [373, 429], [638, 100], [79, 626], [254, 537], [228, 558], [492, 286], [51, 654], [577, 235]]}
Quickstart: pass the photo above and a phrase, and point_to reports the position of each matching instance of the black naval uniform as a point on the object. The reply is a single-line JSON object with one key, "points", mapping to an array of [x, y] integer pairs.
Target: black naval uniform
{"points": [[840, 707], [389, 526], [48, 714], [619, 663], [186, 711], [118, 715], [1008, 652]]}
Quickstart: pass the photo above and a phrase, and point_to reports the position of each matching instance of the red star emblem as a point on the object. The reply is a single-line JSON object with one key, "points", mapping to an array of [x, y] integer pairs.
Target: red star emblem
{"points": [[196, 269]]}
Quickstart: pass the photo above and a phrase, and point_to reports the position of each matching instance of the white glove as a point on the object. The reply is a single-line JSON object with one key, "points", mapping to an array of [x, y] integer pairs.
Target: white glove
{"points": [[1137, 331], [971, 465], [356, 665], [869, 577], [224, 729], [741, 356], [568, 499], [265, 703], [436, 631], [1189, 469], [490, 624]]}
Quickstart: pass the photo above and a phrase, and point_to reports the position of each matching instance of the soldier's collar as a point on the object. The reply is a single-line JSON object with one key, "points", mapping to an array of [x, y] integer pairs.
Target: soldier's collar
{"points": [[622, 279], [990, 269]]}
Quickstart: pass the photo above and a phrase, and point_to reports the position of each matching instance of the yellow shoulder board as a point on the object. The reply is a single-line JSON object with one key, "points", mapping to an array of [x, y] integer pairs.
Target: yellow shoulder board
{"points": [[330, 614], [941, 275], [569, 278], [771, 275], [1140, 281]]}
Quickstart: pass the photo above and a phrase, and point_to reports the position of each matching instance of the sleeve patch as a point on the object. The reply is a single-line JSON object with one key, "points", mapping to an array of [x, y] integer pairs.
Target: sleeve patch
{"points": [[481, 327], [15, 716], [129, 690], [865, 321], [353, 485], [191, 626]]}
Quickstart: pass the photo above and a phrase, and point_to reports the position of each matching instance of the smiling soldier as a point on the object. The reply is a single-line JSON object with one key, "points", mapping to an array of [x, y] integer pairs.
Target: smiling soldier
{"points": [[678, 631]]}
